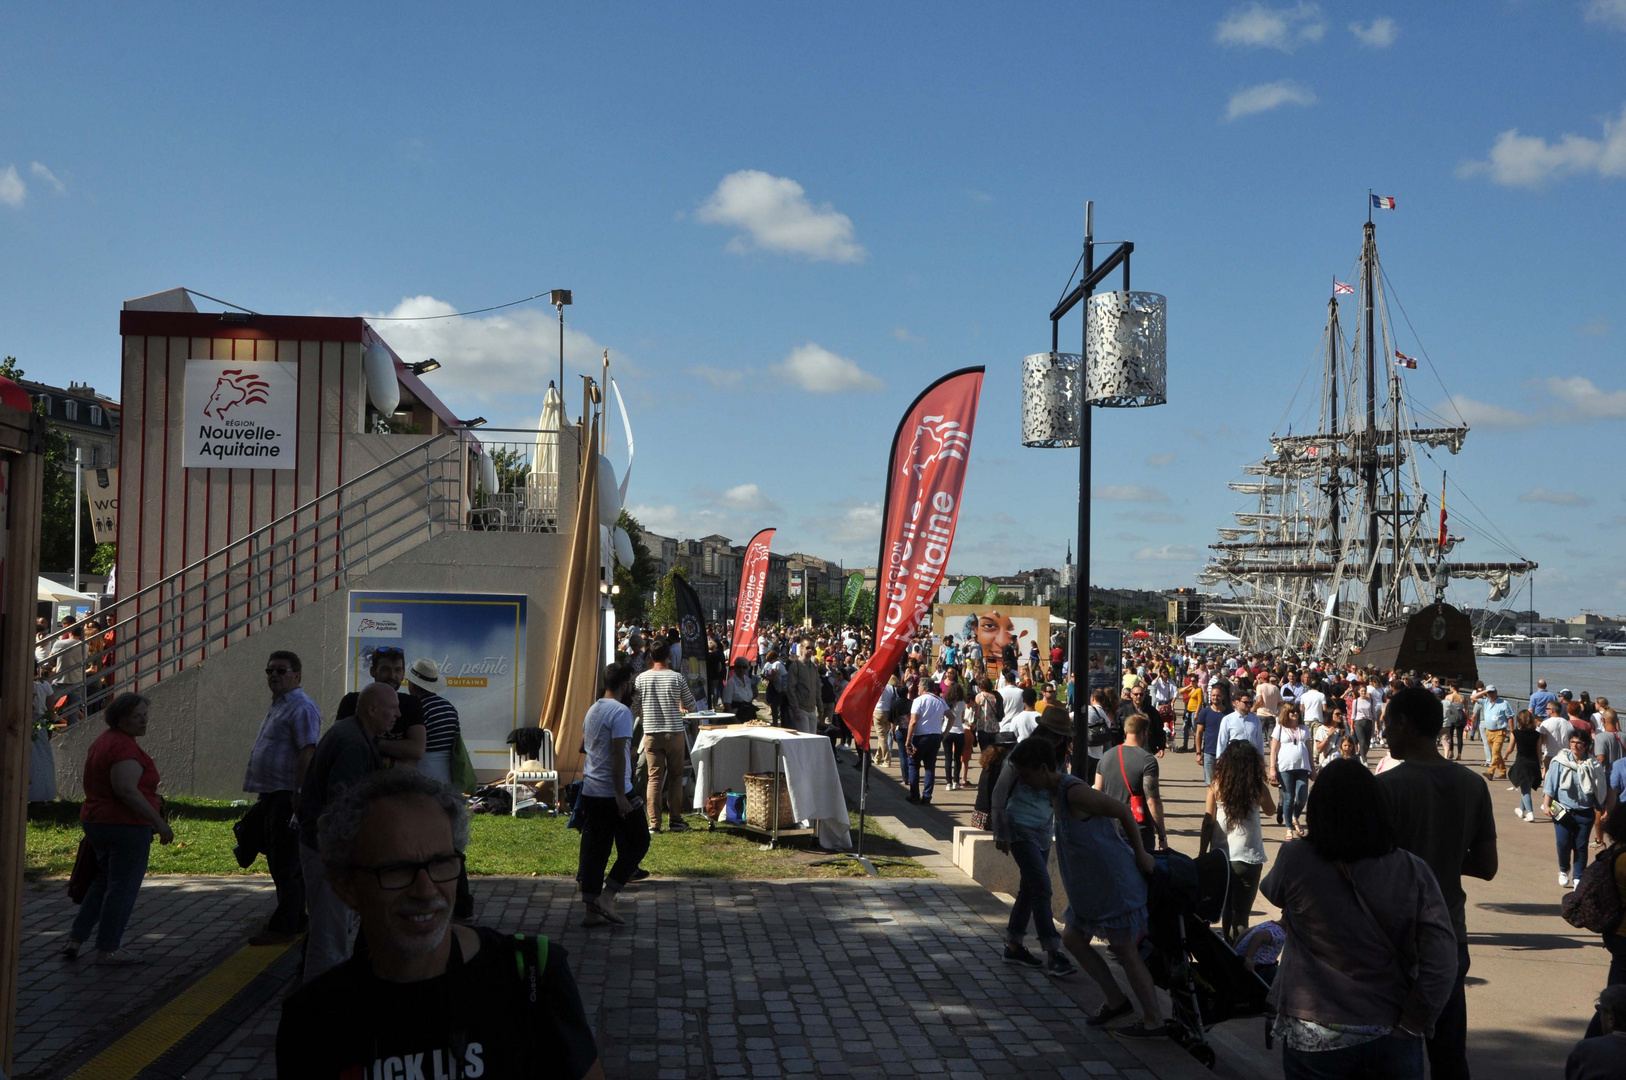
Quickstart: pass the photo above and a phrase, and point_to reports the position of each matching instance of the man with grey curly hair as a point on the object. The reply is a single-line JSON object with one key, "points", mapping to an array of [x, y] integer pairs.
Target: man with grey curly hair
{"points": [[421, 996]]}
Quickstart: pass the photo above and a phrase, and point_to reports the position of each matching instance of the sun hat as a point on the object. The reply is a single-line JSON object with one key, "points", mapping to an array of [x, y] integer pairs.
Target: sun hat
{"points": [[1055, 720], [425, 674]]}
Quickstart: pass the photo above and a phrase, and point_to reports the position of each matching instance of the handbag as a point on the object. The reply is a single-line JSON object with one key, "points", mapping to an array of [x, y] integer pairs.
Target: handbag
{"points": [[734, 808], [463, 777], [1595, 904], [84, 871], [715, 802], [1100, 732], [1137, 803]]}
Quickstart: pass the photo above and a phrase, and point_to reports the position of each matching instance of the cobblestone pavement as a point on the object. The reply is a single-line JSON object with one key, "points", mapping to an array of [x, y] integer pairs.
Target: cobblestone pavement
{"points": [[183, 926], [853, 978]]}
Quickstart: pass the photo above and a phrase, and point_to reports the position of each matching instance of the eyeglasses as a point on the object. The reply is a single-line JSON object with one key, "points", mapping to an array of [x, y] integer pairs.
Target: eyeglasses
{"points": [[279, 671], [441, 869]]}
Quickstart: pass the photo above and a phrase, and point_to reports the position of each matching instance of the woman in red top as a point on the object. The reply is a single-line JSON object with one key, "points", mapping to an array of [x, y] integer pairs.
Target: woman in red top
{"points": [[120, 814]]}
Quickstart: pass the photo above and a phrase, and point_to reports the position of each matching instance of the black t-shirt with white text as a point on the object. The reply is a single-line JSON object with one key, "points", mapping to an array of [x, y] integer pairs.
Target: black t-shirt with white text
{"points": [[476, 1020]]}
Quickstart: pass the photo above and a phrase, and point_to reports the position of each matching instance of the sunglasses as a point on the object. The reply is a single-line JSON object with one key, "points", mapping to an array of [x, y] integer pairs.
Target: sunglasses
{"points": [[388, 650], [279, 671]]}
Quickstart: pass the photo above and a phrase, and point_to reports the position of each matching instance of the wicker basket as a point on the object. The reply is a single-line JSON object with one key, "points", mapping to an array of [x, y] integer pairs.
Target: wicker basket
{"points": [[759, 793]]}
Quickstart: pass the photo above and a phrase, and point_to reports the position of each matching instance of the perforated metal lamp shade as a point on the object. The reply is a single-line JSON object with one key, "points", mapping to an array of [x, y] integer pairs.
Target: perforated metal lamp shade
{"points": [[1127, 342]]}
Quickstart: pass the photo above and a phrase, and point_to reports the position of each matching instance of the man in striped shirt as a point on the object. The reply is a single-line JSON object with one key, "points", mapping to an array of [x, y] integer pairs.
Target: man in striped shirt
{"points": [[660, 699], [441, 730]]}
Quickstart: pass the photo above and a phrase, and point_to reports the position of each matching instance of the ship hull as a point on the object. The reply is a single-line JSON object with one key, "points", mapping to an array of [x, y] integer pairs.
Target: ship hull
{"points": [[1437, 640]]}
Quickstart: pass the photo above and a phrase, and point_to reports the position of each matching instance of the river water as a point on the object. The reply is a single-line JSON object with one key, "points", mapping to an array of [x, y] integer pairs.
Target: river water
{"points": [[1603, 676]]}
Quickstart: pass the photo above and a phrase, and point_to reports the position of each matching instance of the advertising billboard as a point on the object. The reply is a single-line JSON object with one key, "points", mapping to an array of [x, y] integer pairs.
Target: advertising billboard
{"points": [[478, 639]]}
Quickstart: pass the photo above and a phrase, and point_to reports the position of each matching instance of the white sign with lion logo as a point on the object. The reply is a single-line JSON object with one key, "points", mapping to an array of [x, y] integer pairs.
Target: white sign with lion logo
{"points": [[241, 414], [375, 624]]}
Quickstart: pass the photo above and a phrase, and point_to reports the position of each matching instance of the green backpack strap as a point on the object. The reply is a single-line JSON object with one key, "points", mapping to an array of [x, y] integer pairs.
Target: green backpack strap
{"points": [[530, 958]]}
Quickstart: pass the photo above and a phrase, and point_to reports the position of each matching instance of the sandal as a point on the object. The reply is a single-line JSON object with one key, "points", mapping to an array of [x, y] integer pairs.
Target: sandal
{"points": [[1106, 1014], [608, 916]]}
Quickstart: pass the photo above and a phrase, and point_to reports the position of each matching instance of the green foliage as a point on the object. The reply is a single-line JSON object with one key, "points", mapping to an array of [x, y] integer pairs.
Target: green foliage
{"points": [[772, 605], [56, 503], [863, 612], [1005, 599], [638, 580], [511, 468], [103, 558], [665, 612]]}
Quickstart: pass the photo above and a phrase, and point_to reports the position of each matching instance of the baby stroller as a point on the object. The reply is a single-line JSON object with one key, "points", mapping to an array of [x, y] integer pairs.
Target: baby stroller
{"points": [[1205, 978]]}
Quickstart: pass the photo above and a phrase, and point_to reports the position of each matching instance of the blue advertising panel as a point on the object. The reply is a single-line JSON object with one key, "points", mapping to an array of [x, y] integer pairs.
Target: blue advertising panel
{"points": [[478, 639]]}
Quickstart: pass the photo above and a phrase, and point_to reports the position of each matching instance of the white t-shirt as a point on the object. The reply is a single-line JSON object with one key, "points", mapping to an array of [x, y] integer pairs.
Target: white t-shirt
{"points": [[928, 711], [606, 721], [1293, 748], [1011, 698], [1023, 723], [1313, 702], [955, 719]]}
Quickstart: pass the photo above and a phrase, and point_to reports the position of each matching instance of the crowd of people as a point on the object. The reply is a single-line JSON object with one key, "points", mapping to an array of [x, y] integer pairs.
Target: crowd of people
{"points": [[1359, 768]]}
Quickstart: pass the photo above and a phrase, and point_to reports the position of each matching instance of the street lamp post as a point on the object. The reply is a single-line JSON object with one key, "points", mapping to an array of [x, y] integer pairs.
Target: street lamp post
{"points": [[1123, 365]]}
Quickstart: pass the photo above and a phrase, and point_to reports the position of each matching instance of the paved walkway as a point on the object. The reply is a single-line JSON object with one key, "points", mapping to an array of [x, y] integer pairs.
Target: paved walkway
{"points": [[1534, 977], [852, 978]]}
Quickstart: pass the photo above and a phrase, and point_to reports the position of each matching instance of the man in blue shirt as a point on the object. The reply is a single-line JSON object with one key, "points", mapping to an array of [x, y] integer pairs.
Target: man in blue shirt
{"points": [[276, 768], [1539, 700], [1495, 717], [1241, 724]]}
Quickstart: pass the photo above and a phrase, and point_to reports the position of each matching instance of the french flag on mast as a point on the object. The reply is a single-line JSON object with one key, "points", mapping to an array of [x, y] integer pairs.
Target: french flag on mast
{"points": [[1383, 202]]}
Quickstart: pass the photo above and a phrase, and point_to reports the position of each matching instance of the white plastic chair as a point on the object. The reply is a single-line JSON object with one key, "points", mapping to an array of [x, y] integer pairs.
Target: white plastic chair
{"points": [[533, 777]]}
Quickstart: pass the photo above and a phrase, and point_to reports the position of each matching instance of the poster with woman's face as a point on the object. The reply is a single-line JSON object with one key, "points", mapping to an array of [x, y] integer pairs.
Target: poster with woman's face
{"points": [[993, 628]]}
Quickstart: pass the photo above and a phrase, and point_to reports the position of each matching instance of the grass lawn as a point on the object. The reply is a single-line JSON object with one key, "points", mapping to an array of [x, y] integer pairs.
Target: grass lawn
{"points": [[531, 844]]}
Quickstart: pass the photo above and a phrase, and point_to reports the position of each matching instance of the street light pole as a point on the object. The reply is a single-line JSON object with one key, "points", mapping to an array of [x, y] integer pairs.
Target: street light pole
{"points": [[1079, 645], [78, 496]]}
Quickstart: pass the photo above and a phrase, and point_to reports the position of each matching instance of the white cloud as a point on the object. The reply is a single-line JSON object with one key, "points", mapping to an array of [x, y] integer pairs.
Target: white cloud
{"points": [[1166, 553], [1612, 13], [1584, 397], [1128, 493], [819, 371], [1259, 27], [1596, 328], [1530, 161], [1157, 461], [721, 378], [499, 365], [747, 497], [860, 524], [776, 215], [48, 176], [1377, 34], [1267, 96], [903, 334], [1554, 498], [12, 189], [1484, 414]]}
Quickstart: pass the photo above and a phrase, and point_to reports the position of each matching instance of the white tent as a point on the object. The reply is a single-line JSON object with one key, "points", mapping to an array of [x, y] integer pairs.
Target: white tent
{"points": [[52, 591], [1213, 636]]}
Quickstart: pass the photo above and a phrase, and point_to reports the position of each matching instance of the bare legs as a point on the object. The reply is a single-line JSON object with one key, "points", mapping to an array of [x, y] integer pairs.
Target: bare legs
{"points": [[1128, 957]]}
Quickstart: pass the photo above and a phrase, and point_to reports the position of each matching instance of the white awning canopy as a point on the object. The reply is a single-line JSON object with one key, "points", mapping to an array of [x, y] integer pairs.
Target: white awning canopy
{"points": [[1213, 635], [51, 591]]}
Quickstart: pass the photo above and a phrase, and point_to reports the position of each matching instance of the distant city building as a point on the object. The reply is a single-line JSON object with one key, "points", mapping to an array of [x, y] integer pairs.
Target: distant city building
{"points": [[89, 420]]}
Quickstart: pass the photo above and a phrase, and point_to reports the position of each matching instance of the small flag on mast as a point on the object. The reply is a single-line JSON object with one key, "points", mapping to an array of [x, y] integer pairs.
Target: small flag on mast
{"points": [[1403, 360], [1383, 202], [1339, 287], [1445, 537]]}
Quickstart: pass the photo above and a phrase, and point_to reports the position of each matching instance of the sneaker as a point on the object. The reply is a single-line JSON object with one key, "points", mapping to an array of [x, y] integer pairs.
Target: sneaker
{"points": [[1528, 816], [911, 797], [119, 958], [678, 825], [1018, 954], [1519, 810], [1106, 1014], [1059, 966], [1141, 1031], [1563, 879]]}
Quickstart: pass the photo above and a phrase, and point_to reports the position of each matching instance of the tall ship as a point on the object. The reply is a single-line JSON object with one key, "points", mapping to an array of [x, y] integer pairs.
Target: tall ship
{"points": [[1346, 550]]}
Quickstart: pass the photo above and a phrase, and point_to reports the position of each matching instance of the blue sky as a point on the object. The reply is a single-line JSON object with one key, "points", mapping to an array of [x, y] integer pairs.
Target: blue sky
{"points": [[783, 222]]}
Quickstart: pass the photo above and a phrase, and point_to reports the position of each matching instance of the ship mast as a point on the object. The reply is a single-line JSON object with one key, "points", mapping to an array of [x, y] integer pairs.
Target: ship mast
{"points": [[1369, 462]]}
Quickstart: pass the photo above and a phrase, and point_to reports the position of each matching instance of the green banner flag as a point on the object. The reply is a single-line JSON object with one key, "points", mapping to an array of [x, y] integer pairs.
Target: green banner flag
{"points": [[855, 585], [968, 592], [989, 593]]}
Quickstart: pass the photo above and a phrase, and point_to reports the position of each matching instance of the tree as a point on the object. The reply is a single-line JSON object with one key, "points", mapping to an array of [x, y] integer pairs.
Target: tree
{"points": [[56, 503], [665, 612], [638, 580], [1005, 599], [863, 612], [772, 604]]}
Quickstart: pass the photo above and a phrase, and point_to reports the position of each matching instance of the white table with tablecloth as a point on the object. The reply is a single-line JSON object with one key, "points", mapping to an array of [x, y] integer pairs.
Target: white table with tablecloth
{"points": [[723, 755]]}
